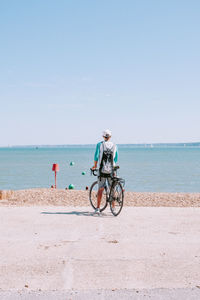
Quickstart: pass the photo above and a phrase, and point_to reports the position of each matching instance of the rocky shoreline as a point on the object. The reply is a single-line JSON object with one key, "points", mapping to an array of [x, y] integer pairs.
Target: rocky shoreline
{"points": [[58, 197]]}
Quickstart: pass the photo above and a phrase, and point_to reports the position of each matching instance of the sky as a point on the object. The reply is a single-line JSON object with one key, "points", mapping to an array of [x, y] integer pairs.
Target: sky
{"points": [[71, 68]]}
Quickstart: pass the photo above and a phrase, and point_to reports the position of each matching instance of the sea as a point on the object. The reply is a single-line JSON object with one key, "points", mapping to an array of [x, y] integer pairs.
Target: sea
{"points": [[145, 168]]}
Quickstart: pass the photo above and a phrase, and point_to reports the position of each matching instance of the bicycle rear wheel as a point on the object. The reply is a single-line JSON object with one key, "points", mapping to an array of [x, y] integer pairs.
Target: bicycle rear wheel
{"points": [[116, 198], [93, 196]]}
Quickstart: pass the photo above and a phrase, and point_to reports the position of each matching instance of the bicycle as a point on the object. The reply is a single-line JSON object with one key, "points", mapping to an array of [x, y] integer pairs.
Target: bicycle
{"points": [[112, 194]]}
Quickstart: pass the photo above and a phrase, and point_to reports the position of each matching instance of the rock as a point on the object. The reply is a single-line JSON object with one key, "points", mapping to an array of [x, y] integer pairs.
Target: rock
{"points": [[5, 194], [114, 242]]}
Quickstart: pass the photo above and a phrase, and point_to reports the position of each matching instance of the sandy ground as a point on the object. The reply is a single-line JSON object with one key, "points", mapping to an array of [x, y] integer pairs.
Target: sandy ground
{"points": [[53, 252], [80, 198]]}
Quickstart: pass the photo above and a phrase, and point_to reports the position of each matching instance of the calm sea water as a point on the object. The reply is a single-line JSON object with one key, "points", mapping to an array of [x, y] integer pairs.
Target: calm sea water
{"points": [[144, 169]]}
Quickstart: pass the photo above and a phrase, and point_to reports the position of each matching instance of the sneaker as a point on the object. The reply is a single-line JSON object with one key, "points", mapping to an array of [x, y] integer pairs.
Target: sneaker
{"points": [[97, 211]]}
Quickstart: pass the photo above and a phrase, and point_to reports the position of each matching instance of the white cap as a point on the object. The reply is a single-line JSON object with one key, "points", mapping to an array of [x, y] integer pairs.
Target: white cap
{"points": [[107, 133]]}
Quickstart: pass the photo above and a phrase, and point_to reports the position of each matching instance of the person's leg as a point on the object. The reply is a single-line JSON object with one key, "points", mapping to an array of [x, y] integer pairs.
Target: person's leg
{"points": [[99, 197], [101, 184], [113, 192]]}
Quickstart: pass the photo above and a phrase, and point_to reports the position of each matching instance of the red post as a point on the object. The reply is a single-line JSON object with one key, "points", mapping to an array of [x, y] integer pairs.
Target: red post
{"points": [[55, 168]]}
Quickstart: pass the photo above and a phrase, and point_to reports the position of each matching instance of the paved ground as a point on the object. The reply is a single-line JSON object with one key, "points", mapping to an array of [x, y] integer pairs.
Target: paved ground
{"points": [[144, 252], [154, 294]]}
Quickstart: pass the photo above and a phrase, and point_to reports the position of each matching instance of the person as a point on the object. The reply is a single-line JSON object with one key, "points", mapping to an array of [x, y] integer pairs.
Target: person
{"points": [[106, 155]]}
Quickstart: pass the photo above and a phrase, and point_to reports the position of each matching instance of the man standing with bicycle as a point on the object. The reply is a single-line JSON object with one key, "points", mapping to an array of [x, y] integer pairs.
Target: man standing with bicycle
{"points": [[106, 155]]}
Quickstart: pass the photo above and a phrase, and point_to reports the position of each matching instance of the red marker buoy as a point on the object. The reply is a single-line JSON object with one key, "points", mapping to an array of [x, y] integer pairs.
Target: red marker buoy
{"points": [[55, 168]]}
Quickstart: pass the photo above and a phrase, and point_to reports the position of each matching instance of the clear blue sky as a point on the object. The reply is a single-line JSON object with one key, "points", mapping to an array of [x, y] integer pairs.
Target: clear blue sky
{"points": [[70, 68]]}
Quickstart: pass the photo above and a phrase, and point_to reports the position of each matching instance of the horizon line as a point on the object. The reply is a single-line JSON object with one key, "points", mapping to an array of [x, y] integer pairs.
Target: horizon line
{"points": [[120, 144]]}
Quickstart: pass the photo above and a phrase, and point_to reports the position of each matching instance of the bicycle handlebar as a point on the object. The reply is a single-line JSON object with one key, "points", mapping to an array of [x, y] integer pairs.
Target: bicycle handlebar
{"points": [[94, 171], [116, 168]]}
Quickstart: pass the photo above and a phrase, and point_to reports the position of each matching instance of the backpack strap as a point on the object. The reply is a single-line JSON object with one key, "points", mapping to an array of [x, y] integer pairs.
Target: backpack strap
{"points": [[101, 163], [113, 147]]}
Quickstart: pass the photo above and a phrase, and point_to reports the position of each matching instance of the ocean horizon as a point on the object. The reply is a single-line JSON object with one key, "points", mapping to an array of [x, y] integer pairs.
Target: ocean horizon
{"points": [[145, 145]]}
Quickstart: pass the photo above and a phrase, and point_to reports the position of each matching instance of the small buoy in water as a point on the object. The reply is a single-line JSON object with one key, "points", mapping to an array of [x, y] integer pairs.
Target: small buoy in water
{"points": [[71, 187], [83, 173], [86, 188], [71, 163]]}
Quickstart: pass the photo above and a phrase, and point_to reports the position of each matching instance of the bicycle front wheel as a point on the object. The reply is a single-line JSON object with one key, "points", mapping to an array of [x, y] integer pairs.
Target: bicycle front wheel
{"points": [[116, 198], [93, 196]]}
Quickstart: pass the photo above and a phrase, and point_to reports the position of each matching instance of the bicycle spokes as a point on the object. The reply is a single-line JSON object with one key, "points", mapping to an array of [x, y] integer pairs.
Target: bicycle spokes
{"points": [[116, 197], [93, 195]]}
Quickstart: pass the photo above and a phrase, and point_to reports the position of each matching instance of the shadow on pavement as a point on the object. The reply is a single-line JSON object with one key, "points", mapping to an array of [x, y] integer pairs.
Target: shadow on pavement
{"points": [[77, 213]]}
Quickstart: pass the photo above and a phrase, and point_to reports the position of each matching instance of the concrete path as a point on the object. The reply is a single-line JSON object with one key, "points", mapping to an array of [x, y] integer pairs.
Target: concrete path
{"points": [[153, 294], [72, 251]]}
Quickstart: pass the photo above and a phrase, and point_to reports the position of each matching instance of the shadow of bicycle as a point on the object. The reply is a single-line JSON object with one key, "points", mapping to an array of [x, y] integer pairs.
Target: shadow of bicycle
{"points": [[78, 213]]}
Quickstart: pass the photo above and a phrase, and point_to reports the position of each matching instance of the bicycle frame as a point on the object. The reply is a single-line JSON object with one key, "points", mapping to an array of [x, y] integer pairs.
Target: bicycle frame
{"points": [[113, 177], [113, 192]]}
